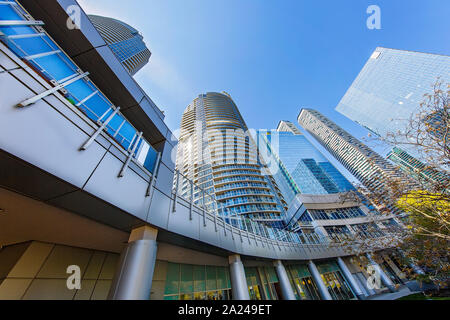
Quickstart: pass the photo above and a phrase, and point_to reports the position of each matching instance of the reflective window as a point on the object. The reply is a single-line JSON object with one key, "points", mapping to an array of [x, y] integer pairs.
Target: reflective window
{"points": [[335, 282], [191, 282], [301, 280]]}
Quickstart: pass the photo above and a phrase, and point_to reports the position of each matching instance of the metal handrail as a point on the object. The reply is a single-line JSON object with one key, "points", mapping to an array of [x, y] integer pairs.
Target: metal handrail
{"points": [[259, 232], [10, 40]]}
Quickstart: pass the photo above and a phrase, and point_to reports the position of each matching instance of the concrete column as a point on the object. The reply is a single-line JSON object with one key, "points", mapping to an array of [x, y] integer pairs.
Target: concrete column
{"points": [[134, 274], [350, 279], [411, 263], [286, 288], [383, 276], [238, 279], [324, 294], [417, 269]]}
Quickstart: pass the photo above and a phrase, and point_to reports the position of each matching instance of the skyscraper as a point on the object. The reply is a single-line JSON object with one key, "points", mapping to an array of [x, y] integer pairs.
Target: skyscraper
{"points": [[365, 164], [417, 169], [390, 88], [216, 151], [300, 167], [125, 41]]}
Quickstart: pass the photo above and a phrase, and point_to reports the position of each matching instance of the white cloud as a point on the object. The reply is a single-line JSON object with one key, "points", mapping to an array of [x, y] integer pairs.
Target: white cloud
{"points": [[162, 75]]}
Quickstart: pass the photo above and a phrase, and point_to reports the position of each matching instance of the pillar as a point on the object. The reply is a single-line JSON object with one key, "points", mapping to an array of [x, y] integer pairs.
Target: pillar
{"points": [[324, 294], [350, 279], [134, 274], [238, 279], [383, 276], [285, 285]]}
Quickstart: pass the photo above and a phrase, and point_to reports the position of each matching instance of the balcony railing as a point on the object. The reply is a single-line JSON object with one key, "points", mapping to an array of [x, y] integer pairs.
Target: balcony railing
{"points": [[233, 221], [209, 205], [29, 41]]}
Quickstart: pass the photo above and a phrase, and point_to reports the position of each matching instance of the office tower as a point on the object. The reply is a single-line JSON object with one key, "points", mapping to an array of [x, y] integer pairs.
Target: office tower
{"points": [[417, 169], [125, 41], [366, 165], [390, 88], [217, 152], [298, 166]]}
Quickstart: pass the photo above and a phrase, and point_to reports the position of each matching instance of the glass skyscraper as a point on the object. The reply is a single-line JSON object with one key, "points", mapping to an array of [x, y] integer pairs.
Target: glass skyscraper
{"points": [[365, 164], [390, 88], [125, 41], [297, 166]]}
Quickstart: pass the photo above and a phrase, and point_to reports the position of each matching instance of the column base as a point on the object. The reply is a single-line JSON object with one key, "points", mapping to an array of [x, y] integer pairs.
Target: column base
{"points": [[361, 297], [392, 289]]}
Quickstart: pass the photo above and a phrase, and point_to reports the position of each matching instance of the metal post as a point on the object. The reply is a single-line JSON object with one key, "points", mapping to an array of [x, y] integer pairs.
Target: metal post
{"points": [[238, 279], [383, 276], [248, 233], [154, 176], [324, 294], [192, 200], [285, 285], [99, 120], [216, 211], [118, 129], [204, 208], [50, 91], [350, 279], [253, 231], [25, 36], [100, 129], [224, 224], [177, 177], [41, 55], [8, 23], [130, 156]]}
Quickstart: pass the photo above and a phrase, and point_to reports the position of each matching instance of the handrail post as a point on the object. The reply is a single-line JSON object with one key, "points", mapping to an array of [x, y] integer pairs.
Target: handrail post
{"points": [[224, 224], [52, 90], [151, 185], [204, 208], [177, 177], [240, 234], [192, 199], [100, 129], [130, 156], [216, 211]]}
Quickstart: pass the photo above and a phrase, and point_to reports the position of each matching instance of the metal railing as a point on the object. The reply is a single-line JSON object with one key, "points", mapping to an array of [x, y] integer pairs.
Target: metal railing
{"points": [[258, 230], [29, 41]]}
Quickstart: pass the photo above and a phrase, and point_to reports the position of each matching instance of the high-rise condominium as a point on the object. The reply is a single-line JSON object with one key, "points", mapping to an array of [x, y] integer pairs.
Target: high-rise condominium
{"points": [[125, 41], [216, 151], [297, 166], [390, 88], [366, 165]]}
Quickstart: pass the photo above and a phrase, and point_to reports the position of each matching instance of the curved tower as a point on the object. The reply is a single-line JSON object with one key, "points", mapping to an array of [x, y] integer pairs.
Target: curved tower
{"points": [[125, 41], [217, 152]]}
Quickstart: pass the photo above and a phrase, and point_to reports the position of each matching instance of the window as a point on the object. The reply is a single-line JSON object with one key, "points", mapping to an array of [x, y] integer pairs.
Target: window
{"points": [[192, 282]]}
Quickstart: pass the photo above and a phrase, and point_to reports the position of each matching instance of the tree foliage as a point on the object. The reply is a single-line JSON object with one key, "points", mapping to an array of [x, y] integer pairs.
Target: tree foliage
{"points": [[419, 198]]}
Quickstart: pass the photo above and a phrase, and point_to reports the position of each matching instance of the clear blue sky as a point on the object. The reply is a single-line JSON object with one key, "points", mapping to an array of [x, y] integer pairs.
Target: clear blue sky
{"points": [[273, 57]]}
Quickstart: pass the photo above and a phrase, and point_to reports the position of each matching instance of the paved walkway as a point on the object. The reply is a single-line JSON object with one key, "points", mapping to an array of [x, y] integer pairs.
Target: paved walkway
{"points": [[402, 292]]}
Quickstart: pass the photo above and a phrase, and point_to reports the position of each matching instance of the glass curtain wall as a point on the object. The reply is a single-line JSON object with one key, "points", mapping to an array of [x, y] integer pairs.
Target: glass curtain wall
{"points": [[335, 282], [302, 281], [192, 282]]}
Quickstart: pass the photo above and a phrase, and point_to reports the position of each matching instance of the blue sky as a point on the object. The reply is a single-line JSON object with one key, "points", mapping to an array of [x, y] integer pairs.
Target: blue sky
{"points": [[273, 57]]}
